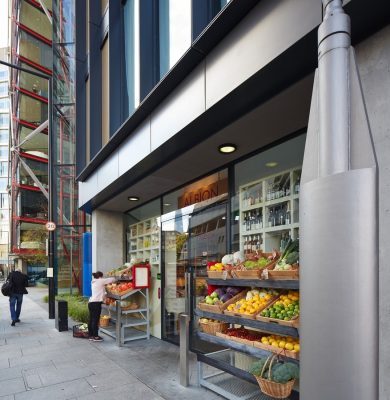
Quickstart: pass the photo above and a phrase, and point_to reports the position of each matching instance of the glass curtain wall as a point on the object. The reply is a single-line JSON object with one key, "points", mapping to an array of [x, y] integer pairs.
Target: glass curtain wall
{"points": [[70, 221]]}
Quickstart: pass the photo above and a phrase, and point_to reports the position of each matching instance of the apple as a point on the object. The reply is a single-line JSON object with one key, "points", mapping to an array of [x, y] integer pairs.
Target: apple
{"points": [[214, 295]]}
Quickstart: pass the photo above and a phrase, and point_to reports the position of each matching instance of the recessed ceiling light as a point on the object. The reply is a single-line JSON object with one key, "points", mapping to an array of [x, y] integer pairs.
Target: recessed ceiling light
{"points": [[167, 204], [271, 164], [227, 148], [133, 198]]}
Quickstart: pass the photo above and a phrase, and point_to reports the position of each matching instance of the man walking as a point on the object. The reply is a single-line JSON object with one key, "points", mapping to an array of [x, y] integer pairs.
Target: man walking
{"points": [[19, 282]]}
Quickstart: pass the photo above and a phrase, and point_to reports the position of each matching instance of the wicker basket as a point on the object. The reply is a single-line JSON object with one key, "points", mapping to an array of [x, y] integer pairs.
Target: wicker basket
{"points": [[274, 389], [103, 322], [213, 327]]}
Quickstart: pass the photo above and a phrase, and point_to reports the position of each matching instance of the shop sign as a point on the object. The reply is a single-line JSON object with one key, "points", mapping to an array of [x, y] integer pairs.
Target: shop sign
{"points": [[204, 193]]}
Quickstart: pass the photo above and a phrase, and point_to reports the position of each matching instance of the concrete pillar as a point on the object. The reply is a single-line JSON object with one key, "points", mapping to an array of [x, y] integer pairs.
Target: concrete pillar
{"points": [[108, 240], [373, 57]]}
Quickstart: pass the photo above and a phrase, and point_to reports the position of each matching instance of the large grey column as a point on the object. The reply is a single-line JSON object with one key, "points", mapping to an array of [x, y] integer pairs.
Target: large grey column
{"points": [[339, 228]]}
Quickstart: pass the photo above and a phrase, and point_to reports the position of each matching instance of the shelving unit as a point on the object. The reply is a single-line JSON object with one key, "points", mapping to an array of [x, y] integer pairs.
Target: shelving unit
{"points": [[229, 361], [269, 211], [143, 239], [124, 326]]}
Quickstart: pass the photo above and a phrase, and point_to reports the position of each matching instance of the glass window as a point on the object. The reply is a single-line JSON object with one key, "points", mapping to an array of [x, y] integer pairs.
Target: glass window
{"points": [[4, 136], [35, 50], [4, 200], [4, 215], [4, 120], [39, 142], [33, 204], [35, 19], [33, 83], [31, 110], [266, 204], [4, 104], [206, 190], [3, 73], [130, 34], [4, 168], [203, 12], [3, 184], [3, 151], [3, 88], [174, 32], [39, 169]]}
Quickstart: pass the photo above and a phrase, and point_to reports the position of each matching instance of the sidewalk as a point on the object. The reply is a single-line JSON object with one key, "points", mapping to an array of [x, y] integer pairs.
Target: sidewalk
{"points": [[37, 362]]}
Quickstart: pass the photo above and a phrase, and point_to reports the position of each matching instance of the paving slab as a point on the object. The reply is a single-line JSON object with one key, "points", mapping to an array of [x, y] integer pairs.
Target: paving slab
{"points": [[62, 391], [12, 386], [126, 392], [37, 363]]}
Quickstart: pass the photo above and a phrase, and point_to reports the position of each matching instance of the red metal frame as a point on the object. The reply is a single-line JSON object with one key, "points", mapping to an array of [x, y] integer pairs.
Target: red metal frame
{"points": [[31, 94], [35, 158], [27, 187], [33, 33], [34, 64], [39, 221], [29, 125]]}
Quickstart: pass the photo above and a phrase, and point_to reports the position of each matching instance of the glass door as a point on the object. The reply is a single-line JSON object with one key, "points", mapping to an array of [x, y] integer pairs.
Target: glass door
{"points": [[175, 273], [207, 242], [190, 238]]}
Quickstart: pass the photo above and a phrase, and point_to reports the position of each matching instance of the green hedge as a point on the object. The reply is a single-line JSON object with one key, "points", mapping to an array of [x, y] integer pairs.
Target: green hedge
{"points": [[77, 306]]}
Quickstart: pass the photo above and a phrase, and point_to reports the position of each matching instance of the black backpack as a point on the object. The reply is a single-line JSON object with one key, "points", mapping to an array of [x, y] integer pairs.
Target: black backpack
{"points": [[7, 288]]}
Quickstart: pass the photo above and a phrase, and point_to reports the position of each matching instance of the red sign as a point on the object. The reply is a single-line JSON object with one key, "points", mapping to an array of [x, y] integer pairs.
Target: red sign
{"points": [[50, 226]]}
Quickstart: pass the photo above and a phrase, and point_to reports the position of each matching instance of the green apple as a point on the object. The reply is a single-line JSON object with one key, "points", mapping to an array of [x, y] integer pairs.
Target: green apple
{"points": [[214, 295]]}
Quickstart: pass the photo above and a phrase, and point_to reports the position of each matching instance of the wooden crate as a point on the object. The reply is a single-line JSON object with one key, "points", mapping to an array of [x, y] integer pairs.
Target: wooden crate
{"points": [[252, 274], [219, 274], [219, 308], [252, 316], [293, 322], [284, 275], [277, 350]]}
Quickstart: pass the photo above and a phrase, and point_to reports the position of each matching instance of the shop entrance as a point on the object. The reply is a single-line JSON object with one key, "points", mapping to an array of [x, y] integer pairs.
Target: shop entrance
{"points": [[195, 236]]}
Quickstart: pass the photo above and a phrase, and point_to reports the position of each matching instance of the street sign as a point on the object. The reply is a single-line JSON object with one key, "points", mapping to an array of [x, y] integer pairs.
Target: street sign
{"points": [[50, 226]]}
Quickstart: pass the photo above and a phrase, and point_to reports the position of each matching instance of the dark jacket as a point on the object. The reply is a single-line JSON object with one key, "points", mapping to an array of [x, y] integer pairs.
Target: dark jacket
{"points": [[19, 282]]}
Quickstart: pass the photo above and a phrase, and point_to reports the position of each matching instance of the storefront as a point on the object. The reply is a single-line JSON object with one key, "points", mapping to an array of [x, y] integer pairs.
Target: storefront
{"points": [[187, 205], [251, 207]]}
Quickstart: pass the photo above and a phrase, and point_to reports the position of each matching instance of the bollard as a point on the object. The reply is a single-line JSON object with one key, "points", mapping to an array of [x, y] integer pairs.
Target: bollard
{"points": [[61, 315], [184, 346]]}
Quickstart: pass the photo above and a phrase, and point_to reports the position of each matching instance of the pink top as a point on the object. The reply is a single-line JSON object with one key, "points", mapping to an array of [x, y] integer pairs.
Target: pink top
{"points": [[98, 288]]}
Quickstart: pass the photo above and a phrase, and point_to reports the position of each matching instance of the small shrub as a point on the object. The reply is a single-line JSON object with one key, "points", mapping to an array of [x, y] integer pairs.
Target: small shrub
{"points": [[45, 298], [77, 307]]}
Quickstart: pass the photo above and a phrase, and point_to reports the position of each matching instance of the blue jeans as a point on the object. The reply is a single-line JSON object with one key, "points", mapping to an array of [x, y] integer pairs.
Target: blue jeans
{"points": [[15, 300]]}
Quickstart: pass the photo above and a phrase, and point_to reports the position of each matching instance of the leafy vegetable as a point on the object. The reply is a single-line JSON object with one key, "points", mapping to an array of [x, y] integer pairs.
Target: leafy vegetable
{"points": [[281, 372], [257, 367], [292, 258]]}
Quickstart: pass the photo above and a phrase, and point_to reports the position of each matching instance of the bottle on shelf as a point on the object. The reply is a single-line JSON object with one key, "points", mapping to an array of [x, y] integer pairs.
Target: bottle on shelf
{"points": [[258, 243], [245, 244], [297, 185], [254, 242], [288, 214]]}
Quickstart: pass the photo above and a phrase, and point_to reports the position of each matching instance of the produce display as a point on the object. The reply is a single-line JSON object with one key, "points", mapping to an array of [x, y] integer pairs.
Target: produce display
{"points": [[221, 295], [120, 288], [208, 320], [215, 266], [254, 301], [285, 308], [281, 342], [122, 271], [243, 333], [281, 372], [290, 257]]}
